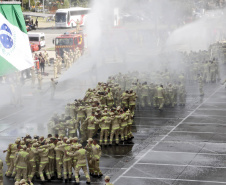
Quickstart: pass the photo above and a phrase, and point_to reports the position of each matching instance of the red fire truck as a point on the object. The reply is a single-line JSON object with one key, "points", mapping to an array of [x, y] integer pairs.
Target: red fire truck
{"points": [[69, 41]]}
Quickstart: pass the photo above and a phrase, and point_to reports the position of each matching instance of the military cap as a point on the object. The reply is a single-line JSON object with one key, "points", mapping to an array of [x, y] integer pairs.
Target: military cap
{"points": [[75, 138], [106, 178], [90, 140], [22, 181], [28, 140], [17, 141], [35, 145], [34, 140]]}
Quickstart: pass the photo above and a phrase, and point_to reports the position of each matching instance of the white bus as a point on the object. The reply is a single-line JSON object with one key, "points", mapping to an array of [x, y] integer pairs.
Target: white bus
{"points": [[68, 17]]}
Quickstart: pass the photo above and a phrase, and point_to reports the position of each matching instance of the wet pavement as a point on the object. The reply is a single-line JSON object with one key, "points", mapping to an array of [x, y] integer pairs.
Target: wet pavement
{"points": [[184, 145], [190, 151]]}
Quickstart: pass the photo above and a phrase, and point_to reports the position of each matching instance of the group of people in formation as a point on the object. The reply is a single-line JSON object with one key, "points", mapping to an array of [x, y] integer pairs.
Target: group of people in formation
{"points": [[43, 158], [200, 64], [68, 58], [164, 92], [106, 111]]}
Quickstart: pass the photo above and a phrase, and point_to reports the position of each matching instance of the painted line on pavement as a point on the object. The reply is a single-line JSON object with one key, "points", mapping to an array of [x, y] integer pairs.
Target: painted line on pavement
{"points": [[170, 141], [162, 151], [153, 126], [213, 109], [207, 115], [152, 117], [181, 165], [113, 168], [210, 102], [169, 179], [191, 132], [166, 135], [202, 123], [12, 114], [191, 142]]}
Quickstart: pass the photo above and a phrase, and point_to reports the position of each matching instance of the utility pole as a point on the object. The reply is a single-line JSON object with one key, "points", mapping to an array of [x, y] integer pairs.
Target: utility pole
{"points": [[43, 6]]}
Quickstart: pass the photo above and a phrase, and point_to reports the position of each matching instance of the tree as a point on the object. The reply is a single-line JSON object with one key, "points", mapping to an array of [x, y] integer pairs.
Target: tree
{"points": [[66, 4]]}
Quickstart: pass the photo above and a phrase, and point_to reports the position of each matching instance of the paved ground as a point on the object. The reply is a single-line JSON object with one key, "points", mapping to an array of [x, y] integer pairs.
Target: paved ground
{"points": [[184, 145], [190, 151]]}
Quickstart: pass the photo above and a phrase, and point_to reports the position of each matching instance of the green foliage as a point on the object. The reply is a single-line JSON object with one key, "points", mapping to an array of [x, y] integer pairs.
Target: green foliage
{"points": [[25, 5], [59, 6], [66, 4], [80, 3]]}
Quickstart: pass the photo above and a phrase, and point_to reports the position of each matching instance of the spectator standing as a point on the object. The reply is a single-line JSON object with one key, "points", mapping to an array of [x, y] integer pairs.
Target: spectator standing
{"points": [[36, 22], [42, 63]]}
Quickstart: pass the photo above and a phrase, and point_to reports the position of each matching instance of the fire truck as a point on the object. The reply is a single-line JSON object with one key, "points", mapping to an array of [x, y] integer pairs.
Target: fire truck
{"points": [[69, 41]]}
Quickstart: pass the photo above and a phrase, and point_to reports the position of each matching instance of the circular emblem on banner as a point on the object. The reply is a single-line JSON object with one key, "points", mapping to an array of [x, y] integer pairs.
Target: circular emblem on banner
{"points": [[6, 36]]}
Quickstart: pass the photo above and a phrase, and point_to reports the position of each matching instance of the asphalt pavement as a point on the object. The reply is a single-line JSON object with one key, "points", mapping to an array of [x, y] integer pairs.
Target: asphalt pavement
{"points": [[181, 145], [184, 145]]}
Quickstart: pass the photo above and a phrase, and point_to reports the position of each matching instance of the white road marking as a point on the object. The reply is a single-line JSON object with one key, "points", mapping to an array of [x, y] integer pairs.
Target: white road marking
{"points": [[215, 102], [169, 179], [215, 154], [190, 142], [152, 117], [207, 115], [12, 114], [112, 168], [210, 109], [191, 132], [202, 123], [182, 165], [165, 136], [151, 126]]}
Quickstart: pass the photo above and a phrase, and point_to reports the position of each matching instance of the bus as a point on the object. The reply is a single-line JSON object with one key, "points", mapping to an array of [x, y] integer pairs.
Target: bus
{"points": [[65, 18]]}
